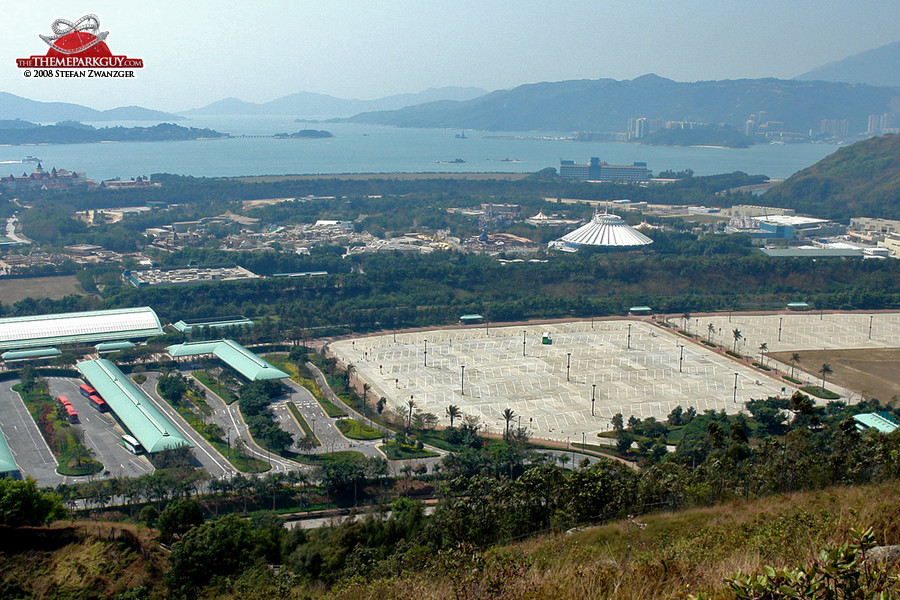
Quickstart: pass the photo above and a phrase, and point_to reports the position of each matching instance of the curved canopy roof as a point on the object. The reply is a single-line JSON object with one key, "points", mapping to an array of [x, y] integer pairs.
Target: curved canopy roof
{"points": [[606, 230], [7, 462], [234, 355], [69, 328], [145, 422]]}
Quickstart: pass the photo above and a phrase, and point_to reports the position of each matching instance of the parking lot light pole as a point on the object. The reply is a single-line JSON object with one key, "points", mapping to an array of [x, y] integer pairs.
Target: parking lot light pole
{"points": [[734, 399], [593, 397], [426, 353], [629, 336], [681, 358], [462, 379], [568, 364], [523, 343]]}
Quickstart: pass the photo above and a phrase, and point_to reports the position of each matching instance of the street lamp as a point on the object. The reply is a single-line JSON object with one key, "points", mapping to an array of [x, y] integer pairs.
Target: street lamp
{"points": [[629, 336], [734, 399], [523, 343], [681, 358], [593, 397], [780, 319], [462, 379], [568, 364], [426, 353], [870, 325]]}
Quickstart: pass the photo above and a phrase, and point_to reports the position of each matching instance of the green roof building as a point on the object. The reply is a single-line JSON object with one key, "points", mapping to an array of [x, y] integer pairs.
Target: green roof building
{"points": [[145, 422], [245, 362], [880, 421], [8, 466]]}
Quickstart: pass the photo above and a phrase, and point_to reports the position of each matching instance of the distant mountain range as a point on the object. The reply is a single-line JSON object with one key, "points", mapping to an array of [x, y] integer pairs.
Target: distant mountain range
{"points": [[315, 106], [607, 105], [879, 66], [15, 107]]}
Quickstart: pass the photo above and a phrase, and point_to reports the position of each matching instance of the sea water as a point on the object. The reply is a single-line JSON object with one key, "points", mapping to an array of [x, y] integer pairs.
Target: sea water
{"points": [[360, 148]]}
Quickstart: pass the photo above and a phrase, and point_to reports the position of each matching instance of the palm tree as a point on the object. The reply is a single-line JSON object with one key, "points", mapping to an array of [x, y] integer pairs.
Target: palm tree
{"points": [[411, 403], [737, 337], [763, 348], [509, 415], [710, 331], [795, 358], [453, 413], [350, 368], [685, 321], [825, 370]]}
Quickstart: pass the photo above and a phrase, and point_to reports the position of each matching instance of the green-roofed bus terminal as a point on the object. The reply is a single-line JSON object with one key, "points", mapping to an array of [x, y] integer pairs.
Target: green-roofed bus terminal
{"points": [[138, 414], [234, 355]]}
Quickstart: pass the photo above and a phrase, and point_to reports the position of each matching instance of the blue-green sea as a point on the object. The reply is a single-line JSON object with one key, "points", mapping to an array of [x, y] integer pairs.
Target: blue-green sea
{"points": [[378, 149]]}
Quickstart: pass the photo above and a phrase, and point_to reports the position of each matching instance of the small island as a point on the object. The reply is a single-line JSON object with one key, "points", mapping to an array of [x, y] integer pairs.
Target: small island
{"points": [[73, 132], [305, 133]]}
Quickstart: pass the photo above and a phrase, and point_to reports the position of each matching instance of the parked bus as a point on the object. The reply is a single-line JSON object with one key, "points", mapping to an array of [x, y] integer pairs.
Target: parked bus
{"points": [[132, 445], [86, 390], [98, 403], [71, 414], [63, 400]]}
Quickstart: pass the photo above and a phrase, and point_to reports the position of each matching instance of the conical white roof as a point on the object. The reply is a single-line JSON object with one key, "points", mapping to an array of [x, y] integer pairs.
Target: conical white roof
{"points": [[606, 230]]}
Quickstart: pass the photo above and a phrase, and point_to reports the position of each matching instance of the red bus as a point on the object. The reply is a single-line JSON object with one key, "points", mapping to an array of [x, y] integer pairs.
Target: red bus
{"points": [[63, 400], [86, 390], [70, 412], [98, 403]]}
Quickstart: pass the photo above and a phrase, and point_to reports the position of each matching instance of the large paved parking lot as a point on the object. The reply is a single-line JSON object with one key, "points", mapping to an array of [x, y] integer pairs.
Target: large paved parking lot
{"points": [[484, 372]]}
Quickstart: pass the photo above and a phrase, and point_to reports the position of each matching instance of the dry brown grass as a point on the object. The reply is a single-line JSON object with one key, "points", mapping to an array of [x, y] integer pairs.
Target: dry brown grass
{"points": [[871, 372], [13, 290], [657, 557]]}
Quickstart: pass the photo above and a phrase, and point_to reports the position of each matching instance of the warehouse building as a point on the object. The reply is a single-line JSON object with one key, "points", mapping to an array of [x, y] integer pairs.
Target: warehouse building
{"points": [[91, 327]]}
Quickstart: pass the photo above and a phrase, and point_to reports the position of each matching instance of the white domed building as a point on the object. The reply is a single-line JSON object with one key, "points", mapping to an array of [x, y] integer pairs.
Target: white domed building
{"points": [[603, 230]]}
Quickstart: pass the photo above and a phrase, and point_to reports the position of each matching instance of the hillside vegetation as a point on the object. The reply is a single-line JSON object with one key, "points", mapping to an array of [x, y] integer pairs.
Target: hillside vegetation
{"points": [[859, 180], [656, 557]]}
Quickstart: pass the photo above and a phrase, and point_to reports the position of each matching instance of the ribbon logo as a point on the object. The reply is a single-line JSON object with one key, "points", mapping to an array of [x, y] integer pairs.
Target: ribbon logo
{"points": [[88, 24]]}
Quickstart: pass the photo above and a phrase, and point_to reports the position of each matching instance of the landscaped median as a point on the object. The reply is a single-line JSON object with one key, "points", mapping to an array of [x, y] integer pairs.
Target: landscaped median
{"points": [[73, 457], [301, 422], [357, 430], [395, 450]]}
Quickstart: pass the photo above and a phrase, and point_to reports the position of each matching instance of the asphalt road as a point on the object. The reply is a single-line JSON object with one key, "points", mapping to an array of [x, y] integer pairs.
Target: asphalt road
{"points": [[101, 432], [207, 457], [229, 418], [25, 441]]}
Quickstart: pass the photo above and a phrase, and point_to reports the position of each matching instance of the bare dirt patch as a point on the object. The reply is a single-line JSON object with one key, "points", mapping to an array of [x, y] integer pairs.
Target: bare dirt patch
{"points": [[871, 372], [13, 290]]}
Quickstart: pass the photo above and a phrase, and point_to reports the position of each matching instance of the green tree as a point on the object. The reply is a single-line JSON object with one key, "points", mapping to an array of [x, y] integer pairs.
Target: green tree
{"points": [[508, 416], [825, 370], [21, 504], [795, 358], [453, 413], [179, 516]]}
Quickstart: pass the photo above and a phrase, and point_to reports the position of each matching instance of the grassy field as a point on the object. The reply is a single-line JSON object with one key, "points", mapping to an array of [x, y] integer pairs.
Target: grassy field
{"points": [[13, 290], [871, 372], [355, 430]]}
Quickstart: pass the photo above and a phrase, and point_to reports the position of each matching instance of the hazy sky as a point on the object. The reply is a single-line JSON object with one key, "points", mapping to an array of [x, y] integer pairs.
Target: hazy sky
{"points": [[199, 51]]}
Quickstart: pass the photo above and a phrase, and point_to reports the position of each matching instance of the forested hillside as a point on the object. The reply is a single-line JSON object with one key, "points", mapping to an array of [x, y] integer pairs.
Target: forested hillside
{"points": [[862, 180]]}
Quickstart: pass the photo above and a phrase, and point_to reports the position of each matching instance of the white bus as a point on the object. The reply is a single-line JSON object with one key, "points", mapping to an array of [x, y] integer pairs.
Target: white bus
{"points": [[132, 445]]}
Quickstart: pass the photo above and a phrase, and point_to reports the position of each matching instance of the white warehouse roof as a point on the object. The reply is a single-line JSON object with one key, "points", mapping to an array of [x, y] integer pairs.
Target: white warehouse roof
{"points": [[82, 327]]}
